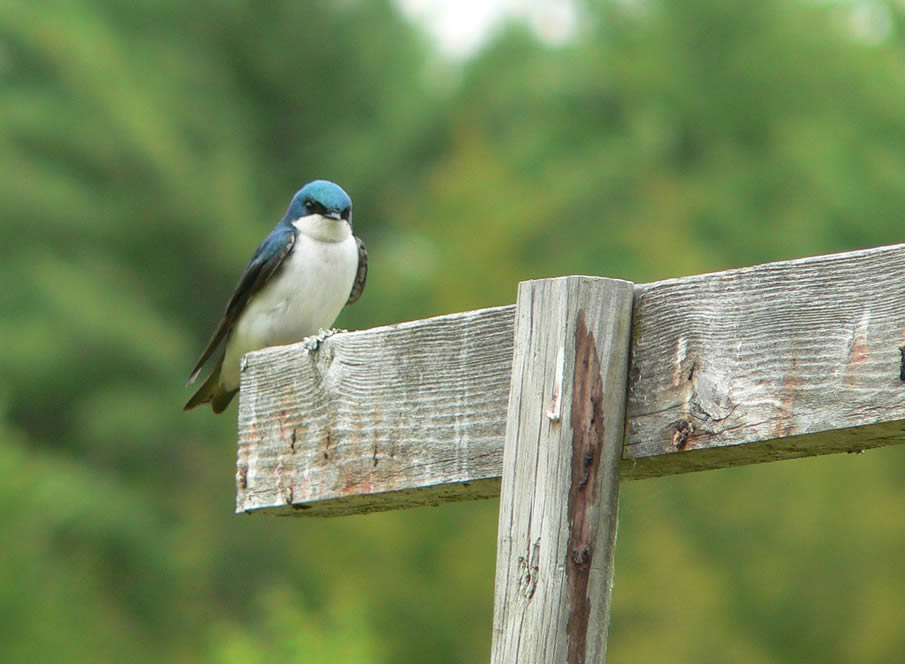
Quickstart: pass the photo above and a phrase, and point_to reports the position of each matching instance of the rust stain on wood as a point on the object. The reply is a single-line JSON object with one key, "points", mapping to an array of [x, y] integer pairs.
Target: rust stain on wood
{"points": [[791, 384], [858, 352], [354, 482], [587, 437], [857, 355]]}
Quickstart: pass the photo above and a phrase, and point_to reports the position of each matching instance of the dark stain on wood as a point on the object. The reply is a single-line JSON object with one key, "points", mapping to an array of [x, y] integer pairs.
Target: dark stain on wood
{"points": [[683, 431], [328, 442], [587, 439], [902, 363]]}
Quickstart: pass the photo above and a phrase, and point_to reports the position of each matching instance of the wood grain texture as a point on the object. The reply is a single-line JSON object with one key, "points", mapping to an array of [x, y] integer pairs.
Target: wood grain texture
{"points": [[771, 362], [371, 416], [769, 353], [559, 500]]}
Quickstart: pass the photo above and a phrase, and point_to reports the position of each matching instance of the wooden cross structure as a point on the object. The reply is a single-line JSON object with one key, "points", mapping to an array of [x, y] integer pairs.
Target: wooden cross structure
{"points": [[586, 381]]}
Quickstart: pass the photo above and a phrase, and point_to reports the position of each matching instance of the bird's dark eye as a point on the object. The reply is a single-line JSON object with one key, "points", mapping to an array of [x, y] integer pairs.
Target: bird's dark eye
{"points": [[309, 205]]}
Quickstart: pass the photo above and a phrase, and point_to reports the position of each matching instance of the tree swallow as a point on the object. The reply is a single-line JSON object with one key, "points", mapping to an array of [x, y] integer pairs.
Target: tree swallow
{"points": [[298, 280]]}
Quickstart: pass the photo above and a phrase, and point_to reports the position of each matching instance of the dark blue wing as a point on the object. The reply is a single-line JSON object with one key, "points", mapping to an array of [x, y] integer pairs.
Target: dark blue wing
{"points": [[361, 274], [264, 263]]}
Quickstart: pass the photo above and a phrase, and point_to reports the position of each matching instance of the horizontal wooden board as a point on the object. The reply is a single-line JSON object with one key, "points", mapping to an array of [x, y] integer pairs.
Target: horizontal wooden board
{"points": [[758, 364], [375, 413]]}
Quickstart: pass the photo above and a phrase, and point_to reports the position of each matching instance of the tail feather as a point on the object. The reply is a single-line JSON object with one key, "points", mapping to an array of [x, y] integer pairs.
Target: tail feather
{"points": [[211, 392], [221, 400]]}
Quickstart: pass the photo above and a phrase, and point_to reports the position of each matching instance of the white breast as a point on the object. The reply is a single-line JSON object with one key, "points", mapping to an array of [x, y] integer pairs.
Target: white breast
{"points": [[307, 294]]}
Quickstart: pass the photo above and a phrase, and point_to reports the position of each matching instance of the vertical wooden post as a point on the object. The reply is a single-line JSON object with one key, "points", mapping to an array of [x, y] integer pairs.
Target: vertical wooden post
{"points": [[559, 496]]}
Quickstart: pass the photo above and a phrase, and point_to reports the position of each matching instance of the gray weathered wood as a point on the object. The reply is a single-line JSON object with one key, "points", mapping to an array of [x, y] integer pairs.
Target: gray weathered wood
{"points": [[373, 415], [764, 363], [563, 443]]}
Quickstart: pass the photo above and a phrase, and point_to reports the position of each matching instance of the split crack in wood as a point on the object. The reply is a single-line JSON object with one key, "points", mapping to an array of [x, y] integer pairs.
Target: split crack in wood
{"points": [[554, 412]]}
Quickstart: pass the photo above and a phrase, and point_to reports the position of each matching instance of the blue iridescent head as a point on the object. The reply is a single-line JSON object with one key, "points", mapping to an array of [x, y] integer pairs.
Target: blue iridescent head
{"points": [[321, 197]]}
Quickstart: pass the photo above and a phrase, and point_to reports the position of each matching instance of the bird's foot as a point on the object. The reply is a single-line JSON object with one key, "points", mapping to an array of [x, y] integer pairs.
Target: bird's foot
{"points": [[312, 343]]}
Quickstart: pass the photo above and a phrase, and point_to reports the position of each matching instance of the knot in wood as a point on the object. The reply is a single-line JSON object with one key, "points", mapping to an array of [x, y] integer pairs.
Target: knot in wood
{"points": [[581, 556], [528, 568]]}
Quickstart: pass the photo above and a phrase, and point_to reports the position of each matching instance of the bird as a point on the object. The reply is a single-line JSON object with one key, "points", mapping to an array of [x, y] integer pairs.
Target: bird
{"points": [[296, 283]]}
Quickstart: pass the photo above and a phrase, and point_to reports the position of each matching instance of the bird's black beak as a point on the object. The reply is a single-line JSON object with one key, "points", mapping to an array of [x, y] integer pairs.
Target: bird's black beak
{"points": [[333, 215]]}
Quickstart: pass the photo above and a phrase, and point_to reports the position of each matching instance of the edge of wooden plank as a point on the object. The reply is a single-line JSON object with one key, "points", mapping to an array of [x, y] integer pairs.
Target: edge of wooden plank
{"points": [[427, 496]]}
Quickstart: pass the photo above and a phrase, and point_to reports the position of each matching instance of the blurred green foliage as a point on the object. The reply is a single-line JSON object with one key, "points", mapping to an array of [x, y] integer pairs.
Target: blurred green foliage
{"points": [[147, 147]]}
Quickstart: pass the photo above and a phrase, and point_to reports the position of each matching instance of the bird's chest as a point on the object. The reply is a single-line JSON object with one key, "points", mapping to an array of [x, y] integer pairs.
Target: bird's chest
{"points": [[308, 292]]}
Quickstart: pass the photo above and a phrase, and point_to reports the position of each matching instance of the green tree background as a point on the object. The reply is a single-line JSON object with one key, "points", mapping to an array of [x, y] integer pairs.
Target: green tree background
{"points": [[147, 147]]}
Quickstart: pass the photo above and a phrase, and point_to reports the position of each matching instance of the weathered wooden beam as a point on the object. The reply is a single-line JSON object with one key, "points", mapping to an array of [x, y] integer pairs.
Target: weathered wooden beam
{"points": [[758, 364], [560, 489], [398, 416]]}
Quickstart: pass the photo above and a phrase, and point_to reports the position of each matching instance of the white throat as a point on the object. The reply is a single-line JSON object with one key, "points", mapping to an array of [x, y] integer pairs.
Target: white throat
{"points": [[325, 229]]}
